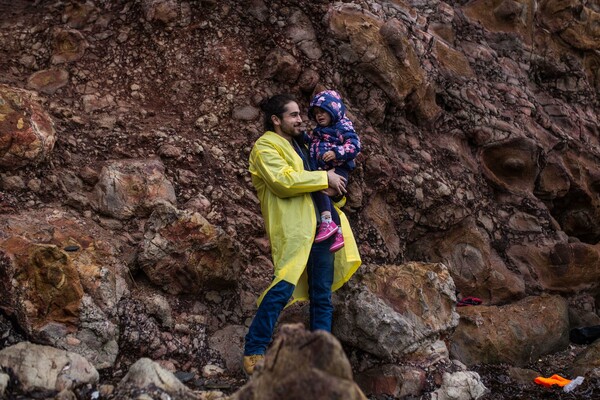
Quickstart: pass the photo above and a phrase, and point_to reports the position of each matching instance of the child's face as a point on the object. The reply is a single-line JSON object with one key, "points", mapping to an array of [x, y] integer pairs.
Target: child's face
{"points": [[322, 117]]}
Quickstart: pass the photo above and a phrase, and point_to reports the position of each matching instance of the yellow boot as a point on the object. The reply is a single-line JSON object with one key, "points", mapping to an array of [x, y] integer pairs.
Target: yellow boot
{"points": [[251, 361]]}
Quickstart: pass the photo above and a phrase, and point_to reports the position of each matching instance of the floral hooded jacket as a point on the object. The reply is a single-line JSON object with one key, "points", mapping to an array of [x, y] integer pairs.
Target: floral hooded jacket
{"points": [[339, 136]]}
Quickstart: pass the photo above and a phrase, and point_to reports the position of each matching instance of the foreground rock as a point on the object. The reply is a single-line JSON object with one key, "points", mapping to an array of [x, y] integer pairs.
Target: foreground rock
{"points": [[302, 365], [516, 333], [462, 385], [36, 368], [394, 310], [147, 374], [61, 280]]}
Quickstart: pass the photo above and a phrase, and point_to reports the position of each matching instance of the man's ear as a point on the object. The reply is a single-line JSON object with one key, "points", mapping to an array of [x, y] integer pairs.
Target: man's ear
{"points": [[275, 119]]}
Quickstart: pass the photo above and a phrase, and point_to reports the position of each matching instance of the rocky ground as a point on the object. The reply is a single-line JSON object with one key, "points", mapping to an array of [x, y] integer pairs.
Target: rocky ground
{"points": [[130, 228]]}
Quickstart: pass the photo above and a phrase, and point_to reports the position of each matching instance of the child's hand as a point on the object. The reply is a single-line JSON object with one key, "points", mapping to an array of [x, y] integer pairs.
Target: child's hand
{"points": [[329, 156]]}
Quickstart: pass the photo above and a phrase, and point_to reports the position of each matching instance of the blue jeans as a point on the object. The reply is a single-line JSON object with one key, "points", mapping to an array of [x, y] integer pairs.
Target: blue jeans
{"points": [[320, 278]]}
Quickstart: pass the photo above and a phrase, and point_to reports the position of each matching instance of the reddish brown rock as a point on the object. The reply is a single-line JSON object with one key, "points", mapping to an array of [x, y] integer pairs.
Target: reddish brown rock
{"points": [[183, 253], [68, 46], [517, 333], [563, 267], [302, 365], [476, 268], [27, 132], [512, 165], [132, 187], [62, 281], [504, 15], [48, 81], [392, 380], [365, 36], [281, 66]]}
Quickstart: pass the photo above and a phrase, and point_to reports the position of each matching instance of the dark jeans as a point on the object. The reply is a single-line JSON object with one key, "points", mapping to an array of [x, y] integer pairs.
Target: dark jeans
{"points": [[324, 203], [320, 278]]}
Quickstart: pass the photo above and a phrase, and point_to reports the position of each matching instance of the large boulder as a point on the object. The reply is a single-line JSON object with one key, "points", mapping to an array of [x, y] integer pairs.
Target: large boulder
{"points": [[394, 310], [302, 365], [515, 333], [61, 280], [128, 188], [27, 132], [476, 268], [184, 253], [38, 367]]}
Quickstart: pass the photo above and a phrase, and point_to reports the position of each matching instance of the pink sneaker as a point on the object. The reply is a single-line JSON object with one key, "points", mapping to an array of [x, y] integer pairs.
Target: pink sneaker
{"points": [[338, 243], [325, 231]]}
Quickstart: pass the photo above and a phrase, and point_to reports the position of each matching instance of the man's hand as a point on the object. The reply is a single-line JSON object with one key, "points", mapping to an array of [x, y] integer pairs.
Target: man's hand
{"points": [[336, 183], [329, 156]]}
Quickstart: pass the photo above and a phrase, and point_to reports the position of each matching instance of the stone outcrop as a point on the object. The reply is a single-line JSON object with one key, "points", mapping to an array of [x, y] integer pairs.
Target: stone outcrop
{"points": [[128, 188], [516, 334], [62, 282], [302, 365], [183, 253], [394, 310], [38, 367]]}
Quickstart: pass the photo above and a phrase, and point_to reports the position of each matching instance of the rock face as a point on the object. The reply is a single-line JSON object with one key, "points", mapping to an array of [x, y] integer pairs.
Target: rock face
{"points": [[302, 365], [395, 310], [27, 133], [516, 334], [480, 130]]}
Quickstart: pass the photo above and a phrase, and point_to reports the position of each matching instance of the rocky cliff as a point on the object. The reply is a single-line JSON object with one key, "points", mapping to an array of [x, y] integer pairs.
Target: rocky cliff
{"points": [[130, 228]]}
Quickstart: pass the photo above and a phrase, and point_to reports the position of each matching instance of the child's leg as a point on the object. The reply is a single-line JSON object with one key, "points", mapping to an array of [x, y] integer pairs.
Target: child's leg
{"points": [[327, 228], [323, 205], [343, 172]]}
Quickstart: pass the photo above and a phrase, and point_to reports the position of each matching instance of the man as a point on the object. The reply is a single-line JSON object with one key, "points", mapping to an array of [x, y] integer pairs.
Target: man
{"points": [[284, 179]]}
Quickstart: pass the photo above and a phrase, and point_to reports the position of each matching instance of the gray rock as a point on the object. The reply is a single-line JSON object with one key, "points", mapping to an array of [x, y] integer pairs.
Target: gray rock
{"points": [[4, 379], [229, 342], [145, 372], [462, 385], [245, 113], [395, 310], [47, 368]]}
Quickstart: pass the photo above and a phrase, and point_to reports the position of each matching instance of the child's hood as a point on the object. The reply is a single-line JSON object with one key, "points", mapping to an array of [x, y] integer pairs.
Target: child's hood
{"points": [[330, 101]]}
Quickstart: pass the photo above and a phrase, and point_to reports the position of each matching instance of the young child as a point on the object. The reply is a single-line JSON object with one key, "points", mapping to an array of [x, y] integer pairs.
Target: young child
{"points": [[333, 144]]}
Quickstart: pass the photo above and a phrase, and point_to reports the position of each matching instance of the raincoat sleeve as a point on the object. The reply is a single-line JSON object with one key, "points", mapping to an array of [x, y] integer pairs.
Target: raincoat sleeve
{"points": [[281, 178]]}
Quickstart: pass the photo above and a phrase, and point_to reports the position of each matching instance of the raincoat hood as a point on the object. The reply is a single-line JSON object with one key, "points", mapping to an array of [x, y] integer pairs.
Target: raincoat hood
{"points": [[330, 101]]}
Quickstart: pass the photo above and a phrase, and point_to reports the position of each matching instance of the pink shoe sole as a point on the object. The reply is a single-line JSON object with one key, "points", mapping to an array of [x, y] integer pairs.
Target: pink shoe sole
{"points": [[325, 231]]}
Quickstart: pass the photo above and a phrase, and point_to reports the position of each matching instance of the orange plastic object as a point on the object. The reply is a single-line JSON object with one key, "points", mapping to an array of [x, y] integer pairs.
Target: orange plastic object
{"points": [[553, 380]]}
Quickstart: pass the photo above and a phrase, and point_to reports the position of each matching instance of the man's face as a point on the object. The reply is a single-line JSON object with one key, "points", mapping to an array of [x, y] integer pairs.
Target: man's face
{"points": [[290, 125]]}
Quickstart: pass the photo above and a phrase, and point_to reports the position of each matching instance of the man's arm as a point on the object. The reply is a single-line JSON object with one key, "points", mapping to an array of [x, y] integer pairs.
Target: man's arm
{"points": [[280, 177]]}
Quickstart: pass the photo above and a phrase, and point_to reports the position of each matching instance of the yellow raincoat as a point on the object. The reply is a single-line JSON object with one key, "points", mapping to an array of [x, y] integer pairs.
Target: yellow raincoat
{"points": [[284, 187]]}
